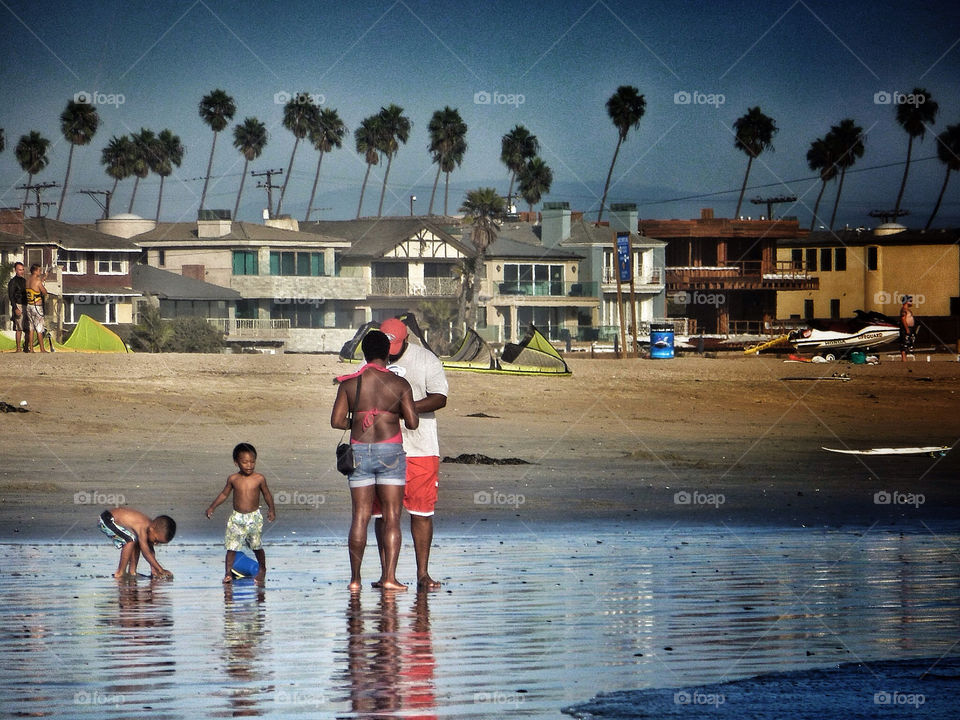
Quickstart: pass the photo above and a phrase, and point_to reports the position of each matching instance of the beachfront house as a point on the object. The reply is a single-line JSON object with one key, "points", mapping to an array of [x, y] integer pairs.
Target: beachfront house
{"points": [[400, 262], [724, 275], [290, 291], [871, 270], [88, 272]]}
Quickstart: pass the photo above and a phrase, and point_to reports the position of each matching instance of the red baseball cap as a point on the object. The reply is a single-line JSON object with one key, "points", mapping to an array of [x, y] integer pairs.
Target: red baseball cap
{"points": [[396, 333]]}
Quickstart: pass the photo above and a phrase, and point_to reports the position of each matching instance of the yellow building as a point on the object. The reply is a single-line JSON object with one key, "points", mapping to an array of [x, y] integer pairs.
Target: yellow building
{"points": [[872, 270]]}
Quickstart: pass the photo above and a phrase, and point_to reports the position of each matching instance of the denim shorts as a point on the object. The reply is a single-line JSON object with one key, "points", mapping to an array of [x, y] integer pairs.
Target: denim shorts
{"points": [[378, 464]]}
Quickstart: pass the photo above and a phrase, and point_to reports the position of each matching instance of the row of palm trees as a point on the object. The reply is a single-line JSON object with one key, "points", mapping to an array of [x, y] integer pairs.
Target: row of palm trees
{"points": [[380, 136]]}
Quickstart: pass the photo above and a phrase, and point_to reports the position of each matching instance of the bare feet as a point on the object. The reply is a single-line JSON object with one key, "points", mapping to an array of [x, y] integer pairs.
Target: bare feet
{"points": [[428, 583], [260, 579], [377, 583], [355, 586], [391, 585], [227, 579]]}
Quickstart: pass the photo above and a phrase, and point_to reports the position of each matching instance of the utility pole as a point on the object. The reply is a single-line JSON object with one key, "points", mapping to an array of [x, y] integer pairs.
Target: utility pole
{"points": [[104, 204], [268, 185], [37, 189], [771, 201]]}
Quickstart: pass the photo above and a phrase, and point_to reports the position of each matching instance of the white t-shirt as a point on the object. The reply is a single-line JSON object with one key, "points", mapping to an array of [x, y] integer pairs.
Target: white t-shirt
{"points": [[423, 370]]}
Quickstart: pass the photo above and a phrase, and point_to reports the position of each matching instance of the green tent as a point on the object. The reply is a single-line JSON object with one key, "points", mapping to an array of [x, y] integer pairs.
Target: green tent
{"points": [[91, 336]]}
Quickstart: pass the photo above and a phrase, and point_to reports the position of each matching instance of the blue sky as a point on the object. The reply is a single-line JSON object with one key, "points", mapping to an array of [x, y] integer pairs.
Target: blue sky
{"points": [[806, 64]]}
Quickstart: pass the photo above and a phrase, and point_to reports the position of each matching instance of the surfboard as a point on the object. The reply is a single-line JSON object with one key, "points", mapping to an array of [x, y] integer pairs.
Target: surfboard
{"points": [[929, 450]]}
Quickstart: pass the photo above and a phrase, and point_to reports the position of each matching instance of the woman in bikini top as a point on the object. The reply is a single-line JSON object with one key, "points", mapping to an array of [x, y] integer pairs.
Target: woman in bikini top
{"points": [[383, 399]]}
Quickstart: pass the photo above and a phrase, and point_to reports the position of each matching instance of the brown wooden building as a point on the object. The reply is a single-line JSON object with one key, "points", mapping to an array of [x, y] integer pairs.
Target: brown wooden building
{"points": [[724, 273]]}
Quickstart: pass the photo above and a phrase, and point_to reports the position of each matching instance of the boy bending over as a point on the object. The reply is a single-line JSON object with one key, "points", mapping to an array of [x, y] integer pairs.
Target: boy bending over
{"points": [[134, 533]]}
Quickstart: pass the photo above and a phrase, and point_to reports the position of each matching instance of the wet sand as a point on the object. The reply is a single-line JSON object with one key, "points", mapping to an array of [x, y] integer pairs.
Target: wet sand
{"points": [[527, 624], [679, 504]]}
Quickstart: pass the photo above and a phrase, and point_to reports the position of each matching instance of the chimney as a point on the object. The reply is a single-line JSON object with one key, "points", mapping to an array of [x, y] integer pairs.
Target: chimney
{"points": [[11, 221], [623, 216], [213, 223], [555, 226]]}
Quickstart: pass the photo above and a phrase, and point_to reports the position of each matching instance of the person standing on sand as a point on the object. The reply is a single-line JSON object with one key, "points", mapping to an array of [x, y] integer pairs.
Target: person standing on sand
{"points": [[381, 469], [908, 327], [17, 294], [36, 295], [423, 370], [245, 525]]}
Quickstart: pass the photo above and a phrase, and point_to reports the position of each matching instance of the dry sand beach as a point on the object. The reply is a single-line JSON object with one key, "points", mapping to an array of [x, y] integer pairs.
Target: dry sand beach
{"points": [[677, 526]]}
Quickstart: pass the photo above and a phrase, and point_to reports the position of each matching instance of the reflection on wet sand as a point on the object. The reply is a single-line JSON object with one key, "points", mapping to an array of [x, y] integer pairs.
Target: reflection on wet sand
{"points": [[247, 677], [137, 647], [390, 663]]}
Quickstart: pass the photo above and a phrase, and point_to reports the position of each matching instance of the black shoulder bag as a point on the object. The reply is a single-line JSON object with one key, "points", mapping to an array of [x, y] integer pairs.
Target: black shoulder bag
{"points": [[345, 460]]}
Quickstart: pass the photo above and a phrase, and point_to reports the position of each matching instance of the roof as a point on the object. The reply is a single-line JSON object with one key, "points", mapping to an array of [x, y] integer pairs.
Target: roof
{"points": [[375, 237], [239, 231], [44, 231], [523, 242], [861, 237], [173, 286], [589, 233]]}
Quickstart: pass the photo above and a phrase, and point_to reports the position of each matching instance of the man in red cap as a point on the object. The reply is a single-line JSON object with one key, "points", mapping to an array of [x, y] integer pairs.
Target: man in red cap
{"points": [[423, 370]]}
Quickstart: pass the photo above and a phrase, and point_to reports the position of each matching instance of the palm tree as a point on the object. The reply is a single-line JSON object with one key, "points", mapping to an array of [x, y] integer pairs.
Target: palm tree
{"points": [[250, 138], [141, 158], [326, 134], [447, 146], [948, 150], [485, 207], [625, 108], [914, 117], [820, 158], [754, 133], [216, 110], [366, 139], [78, 123], [31, 153], [394, 130], [535, 181], [516, 147], [167, 152], [846, 139], [115, 158], [299, 115]]}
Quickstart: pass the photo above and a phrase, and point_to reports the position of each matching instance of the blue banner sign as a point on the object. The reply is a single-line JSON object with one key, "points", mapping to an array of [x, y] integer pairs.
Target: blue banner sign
{"points": [[623, 256]]}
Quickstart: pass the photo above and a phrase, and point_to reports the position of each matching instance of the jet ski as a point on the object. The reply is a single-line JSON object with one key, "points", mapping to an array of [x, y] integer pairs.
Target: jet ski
{"points": [[865, 330]]}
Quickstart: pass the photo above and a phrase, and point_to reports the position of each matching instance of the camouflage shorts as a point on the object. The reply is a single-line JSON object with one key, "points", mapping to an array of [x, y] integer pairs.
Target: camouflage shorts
{"points": [[244, 529]]}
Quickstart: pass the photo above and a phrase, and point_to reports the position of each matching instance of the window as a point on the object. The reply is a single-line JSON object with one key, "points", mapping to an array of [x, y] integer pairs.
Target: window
{"points": [[811, 260], [303, 264], [306, 313], [161, 258], [102, 308], [955, 306], [873, 258], [34, 257], [796, 258], [70, 263], [808, 310], [834, 309], [826, 259], [110, 264], [245, 262], [532, 279], [840, 259]]}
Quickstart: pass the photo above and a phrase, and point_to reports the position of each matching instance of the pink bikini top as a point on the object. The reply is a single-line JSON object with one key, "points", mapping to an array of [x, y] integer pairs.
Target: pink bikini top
{"points": [[370, 416]]}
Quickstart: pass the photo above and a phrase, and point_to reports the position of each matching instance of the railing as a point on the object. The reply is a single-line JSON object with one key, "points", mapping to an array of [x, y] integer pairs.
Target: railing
{"points": [[651, 276], [235, 328], [607, 333], [402, 287]]}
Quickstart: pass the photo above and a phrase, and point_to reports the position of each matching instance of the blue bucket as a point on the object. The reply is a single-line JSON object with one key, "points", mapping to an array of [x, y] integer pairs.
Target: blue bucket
{"points": [[661, 342], [244, 566]]}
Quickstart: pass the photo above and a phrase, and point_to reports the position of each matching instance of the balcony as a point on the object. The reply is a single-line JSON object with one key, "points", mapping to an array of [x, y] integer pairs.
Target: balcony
{"points": [[402, 287], [547, 288], [646, 277], [742, 275], [243, 329]]}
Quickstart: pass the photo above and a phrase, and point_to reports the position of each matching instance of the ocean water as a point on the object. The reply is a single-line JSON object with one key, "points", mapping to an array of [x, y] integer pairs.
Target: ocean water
{"points": [[527, 624]]}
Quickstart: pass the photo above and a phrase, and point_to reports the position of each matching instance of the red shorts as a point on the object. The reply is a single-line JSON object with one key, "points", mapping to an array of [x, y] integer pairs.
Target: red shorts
{"points": [[420, 492]]}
